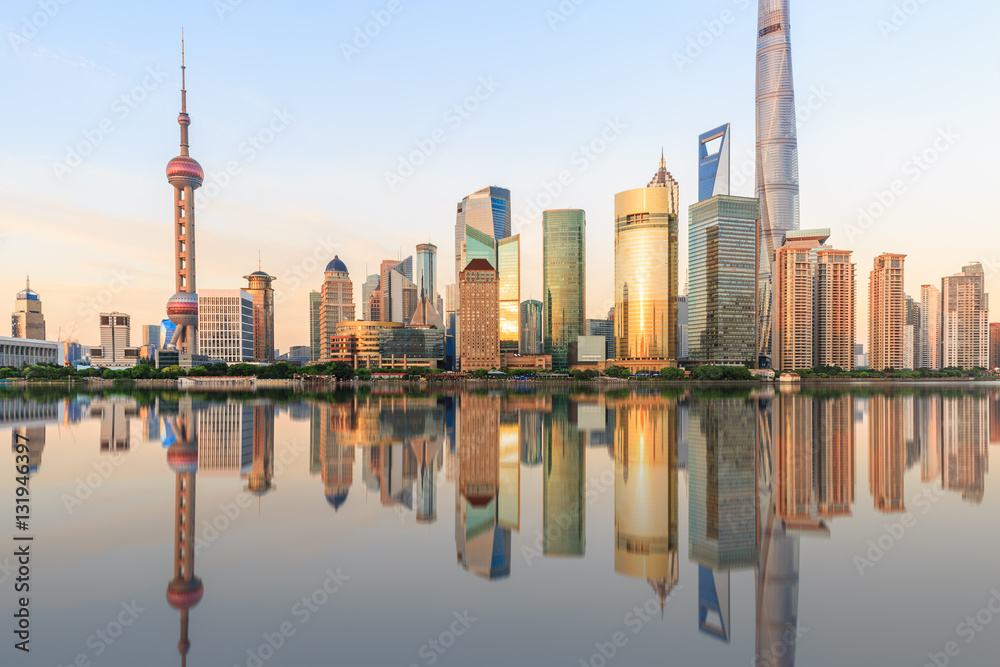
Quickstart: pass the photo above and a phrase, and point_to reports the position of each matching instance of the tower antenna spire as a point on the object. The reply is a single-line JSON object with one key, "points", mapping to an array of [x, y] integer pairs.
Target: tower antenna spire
{"points": [[183, 77]]}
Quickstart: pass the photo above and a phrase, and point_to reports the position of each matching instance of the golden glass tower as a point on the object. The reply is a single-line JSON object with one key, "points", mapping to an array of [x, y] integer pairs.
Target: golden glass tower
{"points": [[509, 277], [646, 274]]}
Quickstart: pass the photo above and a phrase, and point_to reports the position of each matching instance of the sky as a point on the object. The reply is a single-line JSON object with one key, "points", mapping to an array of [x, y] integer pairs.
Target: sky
{"points": [[354, 128]]}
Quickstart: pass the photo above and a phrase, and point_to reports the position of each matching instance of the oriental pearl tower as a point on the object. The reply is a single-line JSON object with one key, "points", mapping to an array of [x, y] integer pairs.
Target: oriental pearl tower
{"points": [[185, 590], [186, 175]]}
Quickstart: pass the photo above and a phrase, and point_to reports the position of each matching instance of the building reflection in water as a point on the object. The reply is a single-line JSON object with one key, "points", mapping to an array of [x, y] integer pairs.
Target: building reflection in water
{"points": [[722, 489], [778, 568], [483, 546], [886, 452], [563, 475], [765, 470], [509, 473], [965, 425], [185, 590], [646, 491], [261, 474]]}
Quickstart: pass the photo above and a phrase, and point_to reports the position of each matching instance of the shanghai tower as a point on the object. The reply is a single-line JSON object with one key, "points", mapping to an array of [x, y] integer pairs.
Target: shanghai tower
{"points": [[777, 151]]}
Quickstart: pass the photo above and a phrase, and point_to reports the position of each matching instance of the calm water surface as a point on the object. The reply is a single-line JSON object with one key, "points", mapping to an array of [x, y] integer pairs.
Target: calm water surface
{"points": [[818, 527]]}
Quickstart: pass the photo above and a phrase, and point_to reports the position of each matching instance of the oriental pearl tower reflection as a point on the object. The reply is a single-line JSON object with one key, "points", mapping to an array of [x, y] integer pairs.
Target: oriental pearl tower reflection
{"points": [[185, 590]]}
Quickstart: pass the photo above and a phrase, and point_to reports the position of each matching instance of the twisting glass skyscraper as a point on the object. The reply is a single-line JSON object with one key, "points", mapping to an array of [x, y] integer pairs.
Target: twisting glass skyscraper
{"points": [[777, 149]]}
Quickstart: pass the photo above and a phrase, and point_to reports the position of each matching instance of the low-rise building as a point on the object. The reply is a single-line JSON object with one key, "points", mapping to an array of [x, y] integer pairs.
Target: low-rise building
{"points": [[18, 352]]}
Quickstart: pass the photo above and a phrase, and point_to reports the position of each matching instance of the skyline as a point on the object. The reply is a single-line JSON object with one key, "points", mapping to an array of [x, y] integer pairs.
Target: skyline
{"points": [[233, 95]]}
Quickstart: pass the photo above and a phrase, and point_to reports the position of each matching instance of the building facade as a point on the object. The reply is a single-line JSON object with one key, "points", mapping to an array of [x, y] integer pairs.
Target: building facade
{"points": [[225, 325], [929, 344], [886, 313], [480, 325], [965, 319], [794, 328], [486, 211], [836, 304], [336, 303], [605, 329], [411, 347], [777, 172], [259, 288], [315, 324], [426, 277], [509, 276], [722, 294], [646, 274], [17, 352], [116, 342], [564, 282], [531, 327], [994, 345], [358, 342], [27, 320], [371, 304]]}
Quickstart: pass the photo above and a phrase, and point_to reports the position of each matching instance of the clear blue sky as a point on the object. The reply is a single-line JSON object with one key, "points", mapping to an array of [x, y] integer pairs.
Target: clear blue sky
{"points": [[103, 230]]}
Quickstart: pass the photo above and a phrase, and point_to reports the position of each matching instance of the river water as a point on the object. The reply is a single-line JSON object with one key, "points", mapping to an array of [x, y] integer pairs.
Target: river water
{"points": [[817, 526]]}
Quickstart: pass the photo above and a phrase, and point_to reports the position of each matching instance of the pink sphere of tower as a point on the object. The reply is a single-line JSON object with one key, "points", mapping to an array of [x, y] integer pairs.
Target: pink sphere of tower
{"points": [[184, 170], [182, 309]]}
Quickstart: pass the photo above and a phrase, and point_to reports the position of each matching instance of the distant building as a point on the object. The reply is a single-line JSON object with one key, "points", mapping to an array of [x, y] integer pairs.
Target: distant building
{"points": [[480, 325], [605, 329], [259, 288], [116, 342], [337, 303], [225, 325], [929, 343], [531, 327], [794, 285], [397, 293], [426, 278], [564, 282], [151, 341], [887, 312], [965, 316], [371, 302], [683, 349], [27, 320], [994, 345], [315, 324], [297, 354]]}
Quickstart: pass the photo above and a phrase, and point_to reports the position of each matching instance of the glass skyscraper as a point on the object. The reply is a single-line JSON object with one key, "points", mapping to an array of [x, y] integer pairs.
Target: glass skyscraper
{"points": [[426, 279], [486, 211], [509, 260], [777, 150], [564, 282], [722, 296], [646, 273], [531, 327]]}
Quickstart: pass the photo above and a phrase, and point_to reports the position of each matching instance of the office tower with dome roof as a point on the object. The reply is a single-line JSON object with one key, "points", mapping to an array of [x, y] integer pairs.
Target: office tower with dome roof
{"points": [[259, 287], [336, 304]]}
